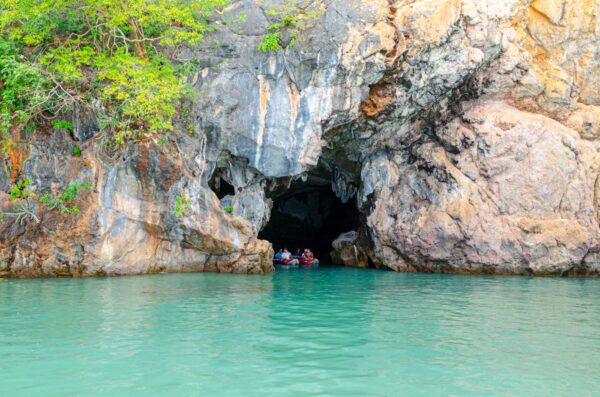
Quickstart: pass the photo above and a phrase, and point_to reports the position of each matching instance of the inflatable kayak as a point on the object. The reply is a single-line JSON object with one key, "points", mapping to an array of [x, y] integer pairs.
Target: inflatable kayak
{"points": [[286, 264], [309, 264]]}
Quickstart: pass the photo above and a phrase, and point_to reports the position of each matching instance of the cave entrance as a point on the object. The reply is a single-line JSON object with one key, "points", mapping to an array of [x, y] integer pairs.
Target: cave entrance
{"points": [[309, 215]]}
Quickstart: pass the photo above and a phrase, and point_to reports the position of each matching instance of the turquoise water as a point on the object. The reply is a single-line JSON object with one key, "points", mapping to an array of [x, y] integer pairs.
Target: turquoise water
{"points": [[327, 332]]}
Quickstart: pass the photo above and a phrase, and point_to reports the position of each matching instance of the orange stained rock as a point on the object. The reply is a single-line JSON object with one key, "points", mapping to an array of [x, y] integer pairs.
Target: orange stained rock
{"points": [[561, 36], [16, 155], [380, 96]]}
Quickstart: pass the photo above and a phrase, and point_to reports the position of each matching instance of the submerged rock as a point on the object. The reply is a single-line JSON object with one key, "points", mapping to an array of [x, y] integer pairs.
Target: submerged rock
{"points": [[466, 132]]}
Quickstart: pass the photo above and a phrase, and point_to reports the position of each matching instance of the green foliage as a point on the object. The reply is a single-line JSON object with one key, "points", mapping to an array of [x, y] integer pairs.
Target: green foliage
{"points": [[229, 209], [55, 54], [24, 90], [146, 90], [293, 16], [76, 152], [64, 202], [240, 19], [22, 195], [6, 142], [182, 204], [64, 124], [270, 42], [162, 140], [19, 191]]}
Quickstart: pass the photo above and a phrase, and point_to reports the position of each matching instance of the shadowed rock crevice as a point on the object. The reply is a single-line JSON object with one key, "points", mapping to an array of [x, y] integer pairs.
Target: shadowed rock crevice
{"points": [[221, 187]]}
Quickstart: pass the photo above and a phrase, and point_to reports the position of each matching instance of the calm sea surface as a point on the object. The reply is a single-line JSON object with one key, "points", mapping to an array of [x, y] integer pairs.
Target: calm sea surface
{"points": [[327, 332]]}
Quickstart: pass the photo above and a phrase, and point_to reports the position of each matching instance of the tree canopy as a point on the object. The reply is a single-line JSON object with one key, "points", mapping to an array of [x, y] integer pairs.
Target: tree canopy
{"points": [[109, 54]]}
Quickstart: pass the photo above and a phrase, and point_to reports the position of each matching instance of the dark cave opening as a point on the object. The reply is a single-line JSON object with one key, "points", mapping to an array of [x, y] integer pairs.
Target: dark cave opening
{"points": [[309, 215], [221, 187]]}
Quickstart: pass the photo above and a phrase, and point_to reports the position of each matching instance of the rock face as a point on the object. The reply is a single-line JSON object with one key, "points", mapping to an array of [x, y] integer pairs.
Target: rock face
{"points": [[466, 132], [500, 191], [348, 250], [127, 224]]}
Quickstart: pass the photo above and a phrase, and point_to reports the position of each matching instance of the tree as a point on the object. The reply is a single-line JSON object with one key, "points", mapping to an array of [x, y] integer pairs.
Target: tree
{"points": [[55, 54]]}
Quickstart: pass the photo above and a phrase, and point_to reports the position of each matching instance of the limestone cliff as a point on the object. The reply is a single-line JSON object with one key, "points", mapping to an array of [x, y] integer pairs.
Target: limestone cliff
{"points": [[465, 131]]}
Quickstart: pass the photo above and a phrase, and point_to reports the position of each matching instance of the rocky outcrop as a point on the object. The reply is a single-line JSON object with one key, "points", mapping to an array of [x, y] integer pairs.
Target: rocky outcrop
{"points": [[127, 224], [500, 191], [348, 250], [465, 131]]}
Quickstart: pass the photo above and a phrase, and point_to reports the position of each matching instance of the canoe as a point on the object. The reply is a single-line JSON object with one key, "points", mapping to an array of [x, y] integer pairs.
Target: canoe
{"points": [[309, 264], [286, 264]]}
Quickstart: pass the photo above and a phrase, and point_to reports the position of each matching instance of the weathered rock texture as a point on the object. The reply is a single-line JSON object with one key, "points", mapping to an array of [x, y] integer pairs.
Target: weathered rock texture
{"points": [[499, 191], [466, 131]]}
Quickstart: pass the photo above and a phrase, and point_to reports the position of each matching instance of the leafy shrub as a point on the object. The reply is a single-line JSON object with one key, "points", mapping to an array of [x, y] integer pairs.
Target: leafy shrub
{"points": [[295, 16], [62, 124], [270, 42], [76, 152], [229, 209], [19, 190], [63, 202]]}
